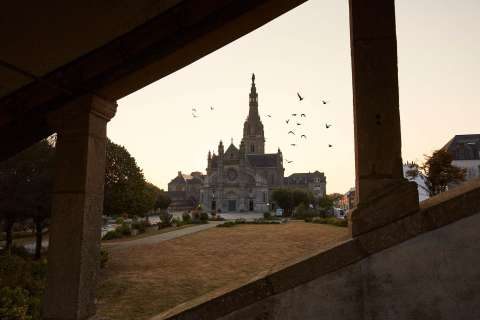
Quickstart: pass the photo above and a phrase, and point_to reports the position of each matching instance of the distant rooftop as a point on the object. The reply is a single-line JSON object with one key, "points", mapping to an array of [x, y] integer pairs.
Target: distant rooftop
{"points": [[464, 147]]}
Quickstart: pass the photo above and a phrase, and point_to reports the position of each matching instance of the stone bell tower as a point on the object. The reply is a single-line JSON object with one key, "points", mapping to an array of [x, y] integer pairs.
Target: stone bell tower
{"points": [[253, 137]]}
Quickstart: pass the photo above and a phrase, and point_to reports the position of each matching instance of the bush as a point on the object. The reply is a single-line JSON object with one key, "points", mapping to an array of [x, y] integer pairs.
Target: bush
{"points": [[141, 226], [120, 220], [267, 215], [227, 224], [124, 230], [330, 220], [103, 257], [187, 219], [112, 234], [22, 284], [14, 304], [216, 218], [166, 219], [204, 217]]}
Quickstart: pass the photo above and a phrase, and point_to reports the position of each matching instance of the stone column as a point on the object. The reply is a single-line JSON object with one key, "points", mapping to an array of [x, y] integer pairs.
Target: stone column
{"points": [[77, 206], [382, 194]]}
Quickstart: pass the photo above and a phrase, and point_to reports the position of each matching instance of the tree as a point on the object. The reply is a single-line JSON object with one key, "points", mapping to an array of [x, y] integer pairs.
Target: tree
{"points": [[438, 172], [288, 198], [126, 190], [163, 200], [25, 189], [283, 198]]}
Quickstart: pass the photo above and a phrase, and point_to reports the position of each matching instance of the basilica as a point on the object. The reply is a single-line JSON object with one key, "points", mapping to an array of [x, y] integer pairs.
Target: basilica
{"points": [[241, 178]]}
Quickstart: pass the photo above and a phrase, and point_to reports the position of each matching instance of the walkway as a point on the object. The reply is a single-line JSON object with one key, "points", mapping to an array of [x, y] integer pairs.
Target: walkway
{"points": [[162, 237]]}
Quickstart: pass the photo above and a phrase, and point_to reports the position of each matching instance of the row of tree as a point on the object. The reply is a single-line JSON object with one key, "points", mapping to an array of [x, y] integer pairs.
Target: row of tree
{"points": [[26, 184]]}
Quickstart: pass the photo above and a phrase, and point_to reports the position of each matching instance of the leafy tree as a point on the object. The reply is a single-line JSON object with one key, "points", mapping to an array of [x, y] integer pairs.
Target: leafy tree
{"points": [[283, 198], [126, 190], [288, 198], [25, 189], [163, 200], [438, 171]]}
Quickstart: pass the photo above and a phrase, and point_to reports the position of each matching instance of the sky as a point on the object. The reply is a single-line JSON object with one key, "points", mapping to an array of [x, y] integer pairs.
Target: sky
{"points": [[307, 50]]}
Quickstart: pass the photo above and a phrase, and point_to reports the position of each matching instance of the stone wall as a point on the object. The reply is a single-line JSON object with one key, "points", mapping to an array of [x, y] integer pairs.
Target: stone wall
{"points": [[435, 275]]}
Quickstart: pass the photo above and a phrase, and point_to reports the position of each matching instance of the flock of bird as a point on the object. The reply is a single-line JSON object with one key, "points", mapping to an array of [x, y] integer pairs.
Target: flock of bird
{"points": [[294, 115]]}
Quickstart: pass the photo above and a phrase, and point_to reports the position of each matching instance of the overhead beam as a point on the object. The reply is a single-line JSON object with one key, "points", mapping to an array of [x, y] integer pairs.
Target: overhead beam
{"points": [[166, 43]]}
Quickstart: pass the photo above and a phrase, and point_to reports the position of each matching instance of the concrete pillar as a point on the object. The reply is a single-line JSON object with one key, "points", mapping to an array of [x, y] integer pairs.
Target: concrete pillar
{"points": [[382, 194], [77, 205]]}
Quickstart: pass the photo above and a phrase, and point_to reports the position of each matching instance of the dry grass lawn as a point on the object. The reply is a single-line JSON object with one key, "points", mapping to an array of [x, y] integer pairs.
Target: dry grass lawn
{"points": [[143, 281]]}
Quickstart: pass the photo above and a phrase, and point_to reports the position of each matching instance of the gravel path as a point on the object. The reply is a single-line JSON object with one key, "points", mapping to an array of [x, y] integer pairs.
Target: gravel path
{"points": [[162, 237]]}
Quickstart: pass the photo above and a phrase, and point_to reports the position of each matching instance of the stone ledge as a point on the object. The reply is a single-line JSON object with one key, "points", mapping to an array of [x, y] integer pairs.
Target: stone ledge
{"points": [[435, 213]]}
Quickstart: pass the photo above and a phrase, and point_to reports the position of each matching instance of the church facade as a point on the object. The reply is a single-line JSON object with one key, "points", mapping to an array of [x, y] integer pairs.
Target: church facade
{"points": [[243, 178]]}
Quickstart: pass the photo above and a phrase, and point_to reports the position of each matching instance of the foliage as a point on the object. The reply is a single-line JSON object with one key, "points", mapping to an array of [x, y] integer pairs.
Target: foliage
{"points": [[22, 284], [166, 219], [187, 219], [126, 190], [162, 200], [327, 202], [119, 220], [329, 220], [288, 198], [141, 226], [204, 217], [25, 189], [438, 172], [236, 222], [227, 224], [103, 257], [267, 215], [124, 229], [112, 234], [14, 304]]}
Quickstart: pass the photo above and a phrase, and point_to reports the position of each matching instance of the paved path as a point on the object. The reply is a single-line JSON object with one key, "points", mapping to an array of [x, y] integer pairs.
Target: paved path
{"points": [[162, 237]]}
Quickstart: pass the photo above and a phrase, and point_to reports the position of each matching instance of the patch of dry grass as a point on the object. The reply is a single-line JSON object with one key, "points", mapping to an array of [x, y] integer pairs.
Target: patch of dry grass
{"points": [[143, 281]]}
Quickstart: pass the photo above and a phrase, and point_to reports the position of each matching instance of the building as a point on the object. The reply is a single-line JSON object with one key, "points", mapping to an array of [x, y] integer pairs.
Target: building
{"points": [[242, 178], [465, 150], [311, 181], [184, 190]]}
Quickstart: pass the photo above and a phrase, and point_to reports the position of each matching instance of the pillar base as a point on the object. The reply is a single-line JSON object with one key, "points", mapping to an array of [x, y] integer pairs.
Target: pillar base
{"points": [[394, 203]]}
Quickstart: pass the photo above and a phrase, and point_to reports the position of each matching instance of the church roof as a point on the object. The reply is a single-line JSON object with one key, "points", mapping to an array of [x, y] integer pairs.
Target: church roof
{"points": [[464, 147], [263, 160]]}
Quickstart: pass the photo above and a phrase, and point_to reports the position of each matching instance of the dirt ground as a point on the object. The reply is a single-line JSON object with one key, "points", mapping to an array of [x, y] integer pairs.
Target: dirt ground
{"points": [[143, 281]]}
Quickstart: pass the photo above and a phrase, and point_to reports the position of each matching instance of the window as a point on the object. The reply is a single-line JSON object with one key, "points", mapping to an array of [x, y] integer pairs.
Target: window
{"points": [[252, 148]]}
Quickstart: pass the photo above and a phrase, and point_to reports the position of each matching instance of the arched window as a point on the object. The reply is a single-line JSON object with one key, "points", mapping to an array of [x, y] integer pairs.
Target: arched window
{"points": [[252, 148]]}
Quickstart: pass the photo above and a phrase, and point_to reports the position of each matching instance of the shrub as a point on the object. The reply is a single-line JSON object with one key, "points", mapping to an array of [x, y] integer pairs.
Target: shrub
{"points": [[103, 257], [124, 230], [267, 215], [120, 220], [141, 226], [112, 234], [204, 217], [227, 224], [330, 220], [177, 222], [22, 283], [14, 304], [166, 219], [187, 219], [216, 218]]}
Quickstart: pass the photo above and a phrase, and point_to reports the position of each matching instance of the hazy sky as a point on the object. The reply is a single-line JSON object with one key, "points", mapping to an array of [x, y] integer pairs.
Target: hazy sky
{"points": [[308, 50]]}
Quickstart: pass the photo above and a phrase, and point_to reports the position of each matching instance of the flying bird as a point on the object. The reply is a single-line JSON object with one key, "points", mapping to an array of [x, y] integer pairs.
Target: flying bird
{"points": [[287, 121], [300, 98], [269, 116], [294, 114], [288, 161], [303, 136], [330, 145], [325, 101], [293, 144], [194, 110], [299, 124], [327, 125], [303, 115], [211, 108], [194, 115], [291, 132]]}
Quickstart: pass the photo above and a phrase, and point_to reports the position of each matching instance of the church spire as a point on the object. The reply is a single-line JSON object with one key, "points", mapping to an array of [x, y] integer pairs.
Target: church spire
{"points": [[253, 137]]}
